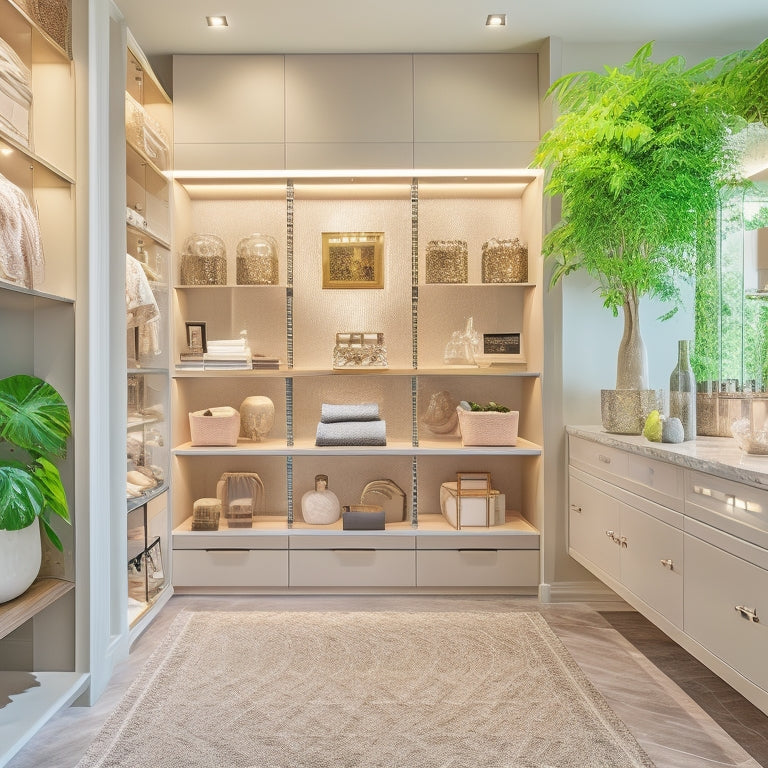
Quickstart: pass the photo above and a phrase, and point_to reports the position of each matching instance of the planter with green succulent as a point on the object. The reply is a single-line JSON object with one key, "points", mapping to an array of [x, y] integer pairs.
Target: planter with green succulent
{"points": [[639, 155], [34, 427]]}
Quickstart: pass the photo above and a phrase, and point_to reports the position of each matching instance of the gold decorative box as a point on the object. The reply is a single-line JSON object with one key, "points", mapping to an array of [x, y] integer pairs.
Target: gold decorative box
{"points": [[447, 261], [505, 261]]}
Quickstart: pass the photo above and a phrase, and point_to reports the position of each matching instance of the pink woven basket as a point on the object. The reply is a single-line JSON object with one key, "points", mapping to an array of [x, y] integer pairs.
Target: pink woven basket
{"points": [[221, 427], [488, 427]]}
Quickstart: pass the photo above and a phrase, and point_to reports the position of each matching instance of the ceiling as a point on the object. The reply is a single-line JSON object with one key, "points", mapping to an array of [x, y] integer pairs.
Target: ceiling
{"points": [[429, 26]]}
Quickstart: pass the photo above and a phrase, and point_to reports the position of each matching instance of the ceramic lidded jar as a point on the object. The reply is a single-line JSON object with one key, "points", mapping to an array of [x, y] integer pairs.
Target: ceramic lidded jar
{"points": [[257, 260], [257, 417], [321, 506]]}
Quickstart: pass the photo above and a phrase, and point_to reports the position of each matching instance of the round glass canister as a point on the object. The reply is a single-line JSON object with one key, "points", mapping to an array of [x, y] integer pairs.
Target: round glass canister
{"points": [[257, 417], [204, 261], [257, 260]]}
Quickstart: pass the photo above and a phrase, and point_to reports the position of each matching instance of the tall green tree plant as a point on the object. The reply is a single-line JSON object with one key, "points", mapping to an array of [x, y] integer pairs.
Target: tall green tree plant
{"points": [[638, 156]]}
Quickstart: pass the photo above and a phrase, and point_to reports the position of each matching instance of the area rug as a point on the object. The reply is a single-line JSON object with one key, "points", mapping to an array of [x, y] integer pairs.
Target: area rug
{"points": [[353, 690]]}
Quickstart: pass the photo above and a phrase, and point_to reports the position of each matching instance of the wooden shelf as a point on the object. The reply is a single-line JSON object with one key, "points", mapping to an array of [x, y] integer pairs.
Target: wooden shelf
{"points": [[39, 596], [285, 372], [35, 698], [306, 447]]}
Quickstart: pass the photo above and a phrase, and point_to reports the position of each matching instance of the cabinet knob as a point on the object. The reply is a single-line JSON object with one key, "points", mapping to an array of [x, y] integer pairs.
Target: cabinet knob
{"points": [[605, 459], [575, 507], [669, 563], [748, 613], [623, 542], [612, 536]]}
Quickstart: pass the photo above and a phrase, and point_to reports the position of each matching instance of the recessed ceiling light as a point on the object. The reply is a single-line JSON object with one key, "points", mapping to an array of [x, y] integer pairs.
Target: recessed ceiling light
{"points": [[217, 21], [496, 20]]}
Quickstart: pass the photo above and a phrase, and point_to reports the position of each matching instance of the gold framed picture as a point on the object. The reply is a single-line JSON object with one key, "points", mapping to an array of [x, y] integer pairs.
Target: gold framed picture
{"points": [[353, 259]]}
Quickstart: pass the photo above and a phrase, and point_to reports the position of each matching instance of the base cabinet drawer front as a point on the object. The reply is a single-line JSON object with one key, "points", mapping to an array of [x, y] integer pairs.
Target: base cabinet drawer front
{"points": [[477, 568], [601, 459], [230, 568], [657, 481], [593, 526], [352, 568], [652, 562], [722, 595], [735, 508]]}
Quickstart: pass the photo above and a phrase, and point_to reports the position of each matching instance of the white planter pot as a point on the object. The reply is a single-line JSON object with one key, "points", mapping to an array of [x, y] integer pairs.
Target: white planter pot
{"points": [[20, 557]]}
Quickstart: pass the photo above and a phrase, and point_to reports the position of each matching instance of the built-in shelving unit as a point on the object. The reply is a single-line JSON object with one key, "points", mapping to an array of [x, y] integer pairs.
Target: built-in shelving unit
{"points": [[296, 321], [149, 122], [39, 672]]}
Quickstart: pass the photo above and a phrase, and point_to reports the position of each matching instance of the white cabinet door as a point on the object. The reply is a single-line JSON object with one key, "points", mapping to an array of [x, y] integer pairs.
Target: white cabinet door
{"points": [[721, 592], [652, 562], [594, 522]]}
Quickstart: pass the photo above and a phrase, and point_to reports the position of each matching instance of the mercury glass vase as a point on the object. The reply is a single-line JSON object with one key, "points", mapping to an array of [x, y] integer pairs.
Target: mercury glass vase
{"points": [[682, 392]]}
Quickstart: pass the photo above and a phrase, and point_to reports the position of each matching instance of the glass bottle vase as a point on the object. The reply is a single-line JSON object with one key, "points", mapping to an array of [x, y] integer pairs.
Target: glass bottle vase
{"points": [[682, 392]]}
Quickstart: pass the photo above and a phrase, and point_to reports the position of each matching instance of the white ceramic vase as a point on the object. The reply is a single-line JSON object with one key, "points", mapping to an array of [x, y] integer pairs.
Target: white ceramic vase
{"points": [[257, 417], [321, 506], [20, 557]]}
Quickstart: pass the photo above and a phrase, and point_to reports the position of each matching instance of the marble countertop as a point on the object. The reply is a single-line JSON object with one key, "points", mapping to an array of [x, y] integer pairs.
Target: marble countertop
{"points": [[718, 456]]}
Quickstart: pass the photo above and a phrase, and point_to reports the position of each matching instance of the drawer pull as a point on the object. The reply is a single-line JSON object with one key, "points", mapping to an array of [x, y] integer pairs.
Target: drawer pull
{"points": [[603, 458], [748, 613], [622, 542], [354, 549], [669, 563], [613, 537], [575, 508], [476, 549]]}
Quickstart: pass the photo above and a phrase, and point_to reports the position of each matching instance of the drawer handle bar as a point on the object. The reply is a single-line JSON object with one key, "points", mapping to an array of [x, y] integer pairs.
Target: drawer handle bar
{"points": [[748, 613], [476, 549], [354, 549], [669, 563], [603, 458]]}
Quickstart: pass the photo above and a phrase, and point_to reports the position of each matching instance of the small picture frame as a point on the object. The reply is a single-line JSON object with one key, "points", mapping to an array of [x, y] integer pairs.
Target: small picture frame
{"points": [[353, 259], [501, 348], [196, 337]]}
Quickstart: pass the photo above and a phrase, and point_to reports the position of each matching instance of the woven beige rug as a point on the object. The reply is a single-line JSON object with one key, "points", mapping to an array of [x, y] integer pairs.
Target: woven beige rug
{"points": [[347, 690]]}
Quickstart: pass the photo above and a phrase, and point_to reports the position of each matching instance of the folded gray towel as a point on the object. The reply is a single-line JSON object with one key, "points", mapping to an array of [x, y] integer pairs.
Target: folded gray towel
{"points": [[352, 433], [331, 414]]}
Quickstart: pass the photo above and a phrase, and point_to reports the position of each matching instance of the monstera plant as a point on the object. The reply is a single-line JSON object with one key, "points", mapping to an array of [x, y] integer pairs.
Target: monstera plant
{"points": [[34, 427], [639, 155]]}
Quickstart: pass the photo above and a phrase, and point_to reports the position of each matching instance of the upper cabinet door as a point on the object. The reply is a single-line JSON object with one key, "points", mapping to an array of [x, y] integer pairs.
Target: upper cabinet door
{"points": [[488, 97], [229, 111], [349, 98]]}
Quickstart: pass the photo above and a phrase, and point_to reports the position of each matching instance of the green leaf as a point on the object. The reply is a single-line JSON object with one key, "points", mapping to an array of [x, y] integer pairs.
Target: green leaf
{"points": [[34, 416], [49, 482], [21, 500]]}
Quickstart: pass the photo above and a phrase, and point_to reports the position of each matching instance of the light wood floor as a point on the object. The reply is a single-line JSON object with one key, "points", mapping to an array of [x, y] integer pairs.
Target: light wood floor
{"points": [[617, 648]]}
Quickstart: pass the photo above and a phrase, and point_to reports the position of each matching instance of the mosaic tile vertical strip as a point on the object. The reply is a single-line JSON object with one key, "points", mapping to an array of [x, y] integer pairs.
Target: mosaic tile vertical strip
{"points": [[289, 486], [415, 271], [289, 200], [414, 492], [289, 411], [414, 414]]}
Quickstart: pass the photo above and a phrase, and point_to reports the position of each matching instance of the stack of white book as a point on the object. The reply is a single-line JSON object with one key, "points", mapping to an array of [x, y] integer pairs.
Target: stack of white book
{"points": [[227, 354]]}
